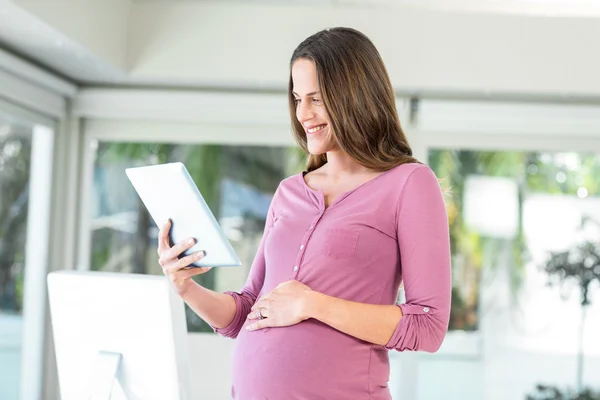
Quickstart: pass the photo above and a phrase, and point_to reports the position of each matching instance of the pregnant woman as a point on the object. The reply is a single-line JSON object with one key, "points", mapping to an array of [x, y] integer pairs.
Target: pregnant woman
{"points": [[318, 314]]}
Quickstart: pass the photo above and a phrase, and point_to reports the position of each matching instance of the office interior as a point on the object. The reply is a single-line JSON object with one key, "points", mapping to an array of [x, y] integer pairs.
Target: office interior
{"points": [[500, 99]]}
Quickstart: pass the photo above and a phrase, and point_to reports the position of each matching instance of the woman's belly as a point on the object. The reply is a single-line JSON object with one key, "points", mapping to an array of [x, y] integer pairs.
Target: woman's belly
{"points": [[310, 361]]}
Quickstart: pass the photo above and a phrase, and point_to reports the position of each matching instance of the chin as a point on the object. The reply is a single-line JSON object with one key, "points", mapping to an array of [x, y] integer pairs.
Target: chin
{"points": [[317, 147], [316, 150]]}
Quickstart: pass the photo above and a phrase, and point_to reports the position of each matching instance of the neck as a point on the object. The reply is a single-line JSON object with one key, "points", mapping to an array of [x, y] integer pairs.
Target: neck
{"points": [[340, 164]]}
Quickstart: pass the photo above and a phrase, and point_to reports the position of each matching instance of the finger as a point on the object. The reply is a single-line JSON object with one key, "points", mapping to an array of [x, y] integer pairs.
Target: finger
{"points": [[180, 247], [186, 261], [259, 314], [253, 315], [260, 324], [163, 237], [262, 303]]}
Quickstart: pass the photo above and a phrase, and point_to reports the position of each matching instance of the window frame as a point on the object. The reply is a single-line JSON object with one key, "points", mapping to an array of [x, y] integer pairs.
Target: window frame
{"points": [[38, 242]]}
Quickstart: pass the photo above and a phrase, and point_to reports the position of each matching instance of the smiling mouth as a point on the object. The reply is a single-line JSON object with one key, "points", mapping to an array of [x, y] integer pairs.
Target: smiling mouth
{"points": [[316, 128]]}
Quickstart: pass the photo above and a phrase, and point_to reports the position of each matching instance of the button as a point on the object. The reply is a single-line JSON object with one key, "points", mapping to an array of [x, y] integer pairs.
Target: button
{"points": [[311, 228], [295, 268], [425, 309], [302, 247]]}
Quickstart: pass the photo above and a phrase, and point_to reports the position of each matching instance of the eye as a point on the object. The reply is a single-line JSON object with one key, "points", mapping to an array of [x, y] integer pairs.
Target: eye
{"points": [[316, 100], [296, 101]]}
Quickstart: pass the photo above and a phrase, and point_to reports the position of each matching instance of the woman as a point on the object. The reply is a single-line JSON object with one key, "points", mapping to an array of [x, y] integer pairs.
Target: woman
{"points": [[317, 315]]}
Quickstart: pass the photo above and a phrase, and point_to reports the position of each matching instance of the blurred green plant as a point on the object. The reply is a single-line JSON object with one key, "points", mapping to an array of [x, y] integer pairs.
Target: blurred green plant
{"points": [[259, 167], [263, 168], [545, 392], [15, 158], [534, 172], [203, 164], [470, 249]]}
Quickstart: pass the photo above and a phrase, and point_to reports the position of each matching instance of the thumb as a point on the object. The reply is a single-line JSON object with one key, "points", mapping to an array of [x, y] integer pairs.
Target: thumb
{"points": [[195, 271]]}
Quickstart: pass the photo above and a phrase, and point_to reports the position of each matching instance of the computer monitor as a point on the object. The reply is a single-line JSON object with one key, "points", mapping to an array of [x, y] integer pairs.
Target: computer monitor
{"points": [[118, 336]]}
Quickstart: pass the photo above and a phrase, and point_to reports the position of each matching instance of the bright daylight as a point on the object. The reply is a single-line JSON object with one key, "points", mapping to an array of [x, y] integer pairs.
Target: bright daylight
{"points": [[340, 200]]}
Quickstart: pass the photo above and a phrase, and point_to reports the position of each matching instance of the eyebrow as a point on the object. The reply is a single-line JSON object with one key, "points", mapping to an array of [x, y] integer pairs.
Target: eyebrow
{"points": [[308, 94]]}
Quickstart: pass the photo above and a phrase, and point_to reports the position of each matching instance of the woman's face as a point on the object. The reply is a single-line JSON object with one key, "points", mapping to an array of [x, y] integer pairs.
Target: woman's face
{"points": [[310, 110]]}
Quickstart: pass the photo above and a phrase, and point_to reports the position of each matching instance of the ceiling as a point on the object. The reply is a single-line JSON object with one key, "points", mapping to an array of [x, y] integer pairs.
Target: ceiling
{"points": [[89, 47], [36, 40]]}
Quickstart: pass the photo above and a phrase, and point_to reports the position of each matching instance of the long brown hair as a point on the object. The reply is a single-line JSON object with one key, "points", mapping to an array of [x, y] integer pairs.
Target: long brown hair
{"points": [[358, 98]]}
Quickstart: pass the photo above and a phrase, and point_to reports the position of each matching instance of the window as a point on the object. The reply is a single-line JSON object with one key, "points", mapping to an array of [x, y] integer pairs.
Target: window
{"points": [[507, 209], [26, 148], [237, 182], [15, 158]]}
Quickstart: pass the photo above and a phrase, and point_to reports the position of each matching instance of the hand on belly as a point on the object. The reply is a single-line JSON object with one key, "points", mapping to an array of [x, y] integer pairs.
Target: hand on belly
{"points": [[285, 305]]}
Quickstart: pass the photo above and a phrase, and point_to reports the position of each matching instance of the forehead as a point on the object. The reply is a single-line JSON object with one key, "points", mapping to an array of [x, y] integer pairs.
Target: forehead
{"points": [[304, 76]]}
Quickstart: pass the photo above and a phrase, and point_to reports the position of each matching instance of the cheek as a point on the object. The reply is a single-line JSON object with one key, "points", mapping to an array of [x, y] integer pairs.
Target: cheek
{"points": [[322, 114]]}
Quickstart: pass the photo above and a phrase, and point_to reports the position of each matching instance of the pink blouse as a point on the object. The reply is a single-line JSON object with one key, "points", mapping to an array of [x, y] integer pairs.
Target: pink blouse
{"points": [[389, 230]]}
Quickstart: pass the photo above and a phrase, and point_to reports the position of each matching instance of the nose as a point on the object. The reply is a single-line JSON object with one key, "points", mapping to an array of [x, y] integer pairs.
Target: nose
{"points": [[304, 112]]}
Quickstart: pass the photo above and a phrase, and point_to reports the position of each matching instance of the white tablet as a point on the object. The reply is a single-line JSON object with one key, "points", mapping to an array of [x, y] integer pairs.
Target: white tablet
{"points": [[169, 192]]}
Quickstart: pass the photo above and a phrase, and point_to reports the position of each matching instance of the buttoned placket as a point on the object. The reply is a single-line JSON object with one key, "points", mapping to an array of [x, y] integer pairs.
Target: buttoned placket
{"points": [[302, 248]]}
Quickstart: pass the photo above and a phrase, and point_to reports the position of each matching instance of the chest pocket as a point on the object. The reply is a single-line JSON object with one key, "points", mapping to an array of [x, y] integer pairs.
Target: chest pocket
{"points": [[340, 243]]}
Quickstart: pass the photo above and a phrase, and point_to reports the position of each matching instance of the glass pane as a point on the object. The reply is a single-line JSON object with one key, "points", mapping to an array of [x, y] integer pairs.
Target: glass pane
{"points": [[472, 242], [237, 182], [15, 152], [509, 213]]}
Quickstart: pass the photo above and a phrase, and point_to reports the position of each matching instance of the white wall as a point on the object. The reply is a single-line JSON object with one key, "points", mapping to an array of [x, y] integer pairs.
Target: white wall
{"points": [[234, 43]]}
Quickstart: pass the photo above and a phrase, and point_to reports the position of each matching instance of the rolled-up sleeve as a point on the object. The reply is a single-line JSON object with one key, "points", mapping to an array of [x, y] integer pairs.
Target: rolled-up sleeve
{"points": [[424, 246], [245, 298]]}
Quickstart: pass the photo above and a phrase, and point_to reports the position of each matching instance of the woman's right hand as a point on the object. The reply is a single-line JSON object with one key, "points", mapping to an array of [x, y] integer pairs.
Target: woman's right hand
{"points": [[177, 269]]}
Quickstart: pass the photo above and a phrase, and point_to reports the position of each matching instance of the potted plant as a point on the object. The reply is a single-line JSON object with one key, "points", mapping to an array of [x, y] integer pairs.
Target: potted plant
{"points": [[580, 264]]}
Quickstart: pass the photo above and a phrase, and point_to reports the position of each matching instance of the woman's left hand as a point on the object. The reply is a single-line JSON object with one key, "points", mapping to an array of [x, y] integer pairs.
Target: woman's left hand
{"points": [[286, 305]]}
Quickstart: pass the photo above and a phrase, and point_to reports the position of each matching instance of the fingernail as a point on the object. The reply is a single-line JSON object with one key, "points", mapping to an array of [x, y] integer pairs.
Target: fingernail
{"points": [[200, 254]]}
